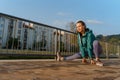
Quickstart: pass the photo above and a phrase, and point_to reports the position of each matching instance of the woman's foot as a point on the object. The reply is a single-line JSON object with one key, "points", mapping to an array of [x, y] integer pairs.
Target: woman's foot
{"points": [[59, 57], [99, 63], [84, 61]]}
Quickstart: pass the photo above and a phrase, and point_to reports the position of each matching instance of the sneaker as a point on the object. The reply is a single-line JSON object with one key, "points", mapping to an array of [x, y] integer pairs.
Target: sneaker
{"points": [[99, 63]]}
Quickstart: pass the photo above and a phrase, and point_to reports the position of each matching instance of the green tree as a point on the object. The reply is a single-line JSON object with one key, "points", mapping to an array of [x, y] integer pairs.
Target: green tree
{"points": [[71, 26]]}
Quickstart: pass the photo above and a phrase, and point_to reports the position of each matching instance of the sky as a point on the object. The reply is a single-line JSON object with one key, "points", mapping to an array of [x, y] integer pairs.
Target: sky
{"points": [[101, 16]]}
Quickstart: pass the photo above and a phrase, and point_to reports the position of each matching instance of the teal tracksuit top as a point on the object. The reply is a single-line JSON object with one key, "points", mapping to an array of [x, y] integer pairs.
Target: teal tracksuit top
{"points": [[86, 43]]}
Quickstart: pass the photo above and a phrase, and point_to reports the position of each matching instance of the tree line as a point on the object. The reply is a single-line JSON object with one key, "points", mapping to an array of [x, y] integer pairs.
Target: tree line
{"points": [[114, 39]]}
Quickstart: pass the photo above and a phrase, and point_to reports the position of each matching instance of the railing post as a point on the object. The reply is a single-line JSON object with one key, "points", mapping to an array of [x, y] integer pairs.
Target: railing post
{"points": [[56, 39], [14, 32], [59, 50], [106, 46], [3, 30], [118, 51]]}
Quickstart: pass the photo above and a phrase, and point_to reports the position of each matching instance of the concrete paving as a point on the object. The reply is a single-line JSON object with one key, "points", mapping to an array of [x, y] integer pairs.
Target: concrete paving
{"points": [[52, 70]]}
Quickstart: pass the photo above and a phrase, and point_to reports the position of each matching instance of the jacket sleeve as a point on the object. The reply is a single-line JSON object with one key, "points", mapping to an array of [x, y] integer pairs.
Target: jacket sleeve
{"points": [[80, 47], [90, 37]]}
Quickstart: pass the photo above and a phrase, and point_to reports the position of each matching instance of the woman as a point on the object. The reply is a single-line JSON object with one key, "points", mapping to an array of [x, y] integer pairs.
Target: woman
{"points": [[88, 46]]}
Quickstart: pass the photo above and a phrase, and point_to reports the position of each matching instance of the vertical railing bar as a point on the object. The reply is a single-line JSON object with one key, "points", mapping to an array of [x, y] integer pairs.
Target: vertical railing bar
{"points": [[14, 28], [56, 41], [59, 35], [107, 56], [3, 34], [38, 41]]}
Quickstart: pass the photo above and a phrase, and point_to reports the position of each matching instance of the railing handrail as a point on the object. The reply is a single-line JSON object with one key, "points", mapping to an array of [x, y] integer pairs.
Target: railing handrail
{"points": [[45, 25]]}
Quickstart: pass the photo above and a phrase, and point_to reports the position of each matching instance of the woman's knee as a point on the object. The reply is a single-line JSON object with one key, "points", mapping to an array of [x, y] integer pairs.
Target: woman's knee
{"points": [[95, 43], [97, 46]]}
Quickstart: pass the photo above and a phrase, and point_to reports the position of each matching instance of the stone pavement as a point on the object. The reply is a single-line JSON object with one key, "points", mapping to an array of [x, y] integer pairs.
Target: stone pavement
{"points": [[52, 70]]}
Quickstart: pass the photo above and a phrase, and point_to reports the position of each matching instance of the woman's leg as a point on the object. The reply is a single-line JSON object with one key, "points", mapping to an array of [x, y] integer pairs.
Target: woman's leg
{"points": [[97, 50], [74, 56]]}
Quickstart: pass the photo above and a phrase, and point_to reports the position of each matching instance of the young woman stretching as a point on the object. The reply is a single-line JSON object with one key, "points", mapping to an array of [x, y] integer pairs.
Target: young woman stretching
{"points": [[88, 46]]}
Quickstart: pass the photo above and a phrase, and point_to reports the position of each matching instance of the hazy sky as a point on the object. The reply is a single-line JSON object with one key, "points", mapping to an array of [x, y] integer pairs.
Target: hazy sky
{"points": [[102, 16]]}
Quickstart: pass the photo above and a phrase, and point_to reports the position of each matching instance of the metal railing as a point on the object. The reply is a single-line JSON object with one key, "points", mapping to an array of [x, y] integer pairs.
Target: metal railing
{"points": [[20, 36], [110, 50]]}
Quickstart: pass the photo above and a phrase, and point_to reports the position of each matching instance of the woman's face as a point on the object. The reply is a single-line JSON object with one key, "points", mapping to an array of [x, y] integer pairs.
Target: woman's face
{"points": [[80, 28]]}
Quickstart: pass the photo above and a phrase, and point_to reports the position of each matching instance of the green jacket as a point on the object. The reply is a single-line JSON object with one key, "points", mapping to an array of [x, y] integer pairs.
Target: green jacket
{"points": [[86, 43]]}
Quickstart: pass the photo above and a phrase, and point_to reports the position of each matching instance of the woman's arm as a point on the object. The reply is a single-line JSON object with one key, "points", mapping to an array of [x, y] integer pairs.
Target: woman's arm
{"points": [[90, 39], [81, 47]]}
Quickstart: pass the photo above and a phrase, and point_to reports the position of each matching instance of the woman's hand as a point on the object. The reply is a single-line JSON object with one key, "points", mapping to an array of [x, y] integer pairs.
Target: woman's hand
{"points": [[92, 61]]}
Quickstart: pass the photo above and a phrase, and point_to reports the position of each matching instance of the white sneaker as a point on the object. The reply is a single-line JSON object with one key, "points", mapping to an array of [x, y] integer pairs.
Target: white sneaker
{"points": [[99, 63]]}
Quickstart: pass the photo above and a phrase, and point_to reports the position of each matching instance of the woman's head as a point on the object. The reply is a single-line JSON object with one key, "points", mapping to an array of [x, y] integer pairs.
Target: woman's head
{"points": [[80, 27]]}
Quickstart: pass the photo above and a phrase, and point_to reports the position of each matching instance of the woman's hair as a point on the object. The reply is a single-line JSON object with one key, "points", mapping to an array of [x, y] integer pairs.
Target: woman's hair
{"points": [[82, 22]]}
